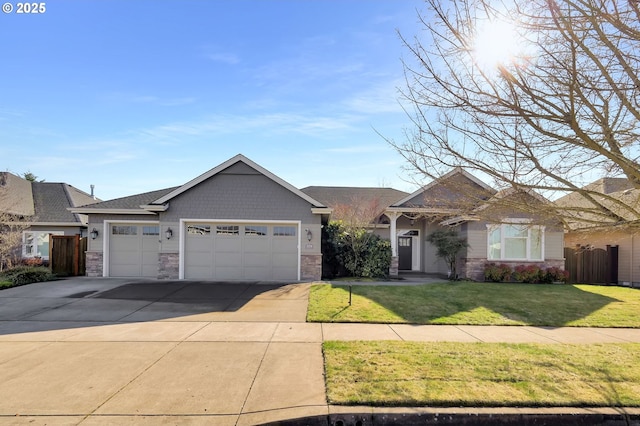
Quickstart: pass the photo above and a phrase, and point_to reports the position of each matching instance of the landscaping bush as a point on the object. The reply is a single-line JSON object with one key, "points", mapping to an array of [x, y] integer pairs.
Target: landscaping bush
{"points": [[528, 273], [32, 261], [354, 252], [497, 273], [378, 259], [27, 274], [554, 274]]}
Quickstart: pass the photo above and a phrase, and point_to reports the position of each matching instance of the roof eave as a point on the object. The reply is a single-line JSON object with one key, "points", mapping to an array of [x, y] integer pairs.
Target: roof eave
{"points": [[109, 211], [155, 207]]}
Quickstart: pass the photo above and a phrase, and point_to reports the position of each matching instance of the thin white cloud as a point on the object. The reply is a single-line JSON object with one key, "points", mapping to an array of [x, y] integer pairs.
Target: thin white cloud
{"points": [[277, 123], [135, 98], [225, 58]]}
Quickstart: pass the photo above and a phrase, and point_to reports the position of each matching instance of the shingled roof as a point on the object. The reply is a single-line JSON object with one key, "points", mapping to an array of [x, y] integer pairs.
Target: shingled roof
{"points": [[335, 195], [42, 202], [132, 201]]}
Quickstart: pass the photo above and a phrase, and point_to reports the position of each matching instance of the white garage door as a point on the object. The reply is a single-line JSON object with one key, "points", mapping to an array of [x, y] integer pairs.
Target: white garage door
{"points": [[133, 250], [219, 251]]}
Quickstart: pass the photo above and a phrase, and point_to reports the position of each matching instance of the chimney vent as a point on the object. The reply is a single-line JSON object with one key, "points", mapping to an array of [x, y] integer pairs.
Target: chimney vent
{"points": [[92, 188]]}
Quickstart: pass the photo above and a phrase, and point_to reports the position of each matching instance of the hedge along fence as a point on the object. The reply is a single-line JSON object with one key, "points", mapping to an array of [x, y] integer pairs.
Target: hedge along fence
{"points": [[523, 273]]}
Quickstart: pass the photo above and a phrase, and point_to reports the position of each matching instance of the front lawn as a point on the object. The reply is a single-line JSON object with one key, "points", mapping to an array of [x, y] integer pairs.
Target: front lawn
{"points": [[482, 374], [459, 303]]}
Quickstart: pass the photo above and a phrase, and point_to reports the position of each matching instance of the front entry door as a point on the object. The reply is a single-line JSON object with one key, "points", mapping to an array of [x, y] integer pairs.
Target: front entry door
{"points": [[405, 253]]}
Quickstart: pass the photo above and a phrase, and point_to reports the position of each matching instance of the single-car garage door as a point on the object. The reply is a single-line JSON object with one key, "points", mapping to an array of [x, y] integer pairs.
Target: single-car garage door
{"points": [[232, 251], [133, 250]]}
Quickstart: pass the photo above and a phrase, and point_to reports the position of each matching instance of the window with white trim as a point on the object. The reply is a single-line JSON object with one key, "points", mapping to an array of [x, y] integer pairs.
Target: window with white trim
{"points": [[36, 243], [515, 241]]}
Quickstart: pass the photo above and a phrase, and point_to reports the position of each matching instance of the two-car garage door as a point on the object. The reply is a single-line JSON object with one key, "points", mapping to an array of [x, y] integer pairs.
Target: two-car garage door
{"points": [[212, 251], [241, 251]]}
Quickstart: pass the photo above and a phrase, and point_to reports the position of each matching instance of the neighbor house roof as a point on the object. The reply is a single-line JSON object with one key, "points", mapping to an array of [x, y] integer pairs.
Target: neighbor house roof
{"points": [[613, 194], [15, 195], [42, 203]]}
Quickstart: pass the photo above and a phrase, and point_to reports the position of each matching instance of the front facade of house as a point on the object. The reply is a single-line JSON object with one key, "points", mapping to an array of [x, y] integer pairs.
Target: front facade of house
{"points": [[236, 222], [493, 234], [587, 236], [43, 208], [240, 222]]}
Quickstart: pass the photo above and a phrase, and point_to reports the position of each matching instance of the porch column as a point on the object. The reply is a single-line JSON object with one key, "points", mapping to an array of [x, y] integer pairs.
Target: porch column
{"points": [[393, 269]]}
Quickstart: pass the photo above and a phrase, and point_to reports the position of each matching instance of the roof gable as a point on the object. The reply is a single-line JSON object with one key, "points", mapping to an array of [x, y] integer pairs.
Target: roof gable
{"points": [[458, 188], [236, 165]]}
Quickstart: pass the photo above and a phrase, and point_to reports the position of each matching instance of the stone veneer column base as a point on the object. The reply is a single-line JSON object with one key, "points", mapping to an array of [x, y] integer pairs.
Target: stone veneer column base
{"points": [[168, 266], [311, 267], [93, 264], [393, 269]]}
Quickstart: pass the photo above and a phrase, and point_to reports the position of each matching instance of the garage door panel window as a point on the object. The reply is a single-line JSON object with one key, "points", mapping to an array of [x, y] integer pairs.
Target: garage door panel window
{"points": [[150, 230], [227, 230], [255, 230], [199, 229], [284, 231], [124, 230]]}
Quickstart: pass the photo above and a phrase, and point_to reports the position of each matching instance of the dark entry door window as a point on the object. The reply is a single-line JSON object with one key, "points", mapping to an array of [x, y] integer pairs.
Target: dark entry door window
{"points": [[405, 253]]}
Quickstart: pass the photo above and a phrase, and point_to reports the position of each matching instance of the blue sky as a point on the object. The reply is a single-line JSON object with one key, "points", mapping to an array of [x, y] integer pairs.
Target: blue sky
{"points": [[134, 96]]}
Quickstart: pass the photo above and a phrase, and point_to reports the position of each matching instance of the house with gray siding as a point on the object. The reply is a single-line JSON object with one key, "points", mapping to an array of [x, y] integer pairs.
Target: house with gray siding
{"points": [[460, 201], [238, 221], [44, 208]]}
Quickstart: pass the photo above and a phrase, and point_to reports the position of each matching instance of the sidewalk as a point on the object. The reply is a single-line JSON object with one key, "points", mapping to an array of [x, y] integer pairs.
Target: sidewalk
{"points": [[163, 357]]}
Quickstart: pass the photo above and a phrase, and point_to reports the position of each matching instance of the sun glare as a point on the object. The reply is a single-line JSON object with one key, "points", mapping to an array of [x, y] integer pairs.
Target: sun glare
{"points": [[496, 43]]}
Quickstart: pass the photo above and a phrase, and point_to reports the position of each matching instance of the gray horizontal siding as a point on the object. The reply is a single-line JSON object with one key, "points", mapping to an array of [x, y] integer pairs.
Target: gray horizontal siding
{"points": [[239, 196]]}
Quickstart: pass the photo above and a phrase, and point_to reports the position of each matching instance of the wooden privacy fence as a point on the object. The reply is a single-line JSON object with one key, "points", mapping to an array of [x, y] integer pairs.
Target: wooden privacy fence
{"points": [[67, 256], [592, 266]]}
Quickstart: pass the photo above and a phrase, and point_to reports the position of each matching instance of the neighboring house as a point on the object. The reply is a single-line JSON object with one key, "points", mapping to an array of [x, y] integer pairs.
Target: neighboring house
{"points": [[43, 206], [458, 200], [237, 221], [588, 233]]}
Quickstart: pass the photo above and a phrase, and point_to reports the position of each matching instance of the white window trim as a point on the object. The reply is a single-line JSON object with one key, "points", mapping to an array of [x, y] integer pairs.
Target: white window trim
{"points": [[493, 227], [24, 243]]}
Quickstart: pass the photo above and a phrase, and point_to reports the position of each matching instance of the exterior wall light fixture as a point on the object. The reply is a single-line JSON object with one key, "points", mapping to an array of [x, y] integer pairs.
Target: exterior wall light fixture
{"points": [[94, 234], [168, 233], [309, 234]]}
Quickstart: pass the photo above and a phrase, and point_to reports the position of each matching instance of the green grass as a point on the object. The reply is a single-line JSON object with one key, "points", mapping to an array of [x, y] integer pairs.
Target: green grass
{"points": [[482, 374], [478, 304], [5, 284]]}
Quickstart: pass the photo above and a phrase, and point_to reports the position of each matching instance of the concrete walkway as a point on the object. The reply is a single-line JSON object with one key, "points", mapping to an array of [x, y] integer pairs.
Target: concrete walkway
{"points": [[98, 352]]}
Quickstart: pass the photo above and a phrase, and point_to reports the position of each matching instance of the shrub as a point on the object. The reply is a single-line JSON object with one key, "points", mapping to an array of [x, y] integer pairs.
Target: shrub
{"points": [[528, 273], [32, 261], [355, 252], [377, 262], [555, 274], [497, 273], [27, 274]]}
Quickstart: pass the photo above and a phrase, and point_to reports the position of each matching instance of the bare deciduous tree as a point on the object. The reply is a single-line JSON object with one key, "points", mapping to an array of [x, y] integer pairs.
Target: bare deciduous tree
{"points": [[559, 109], [12, 225]]}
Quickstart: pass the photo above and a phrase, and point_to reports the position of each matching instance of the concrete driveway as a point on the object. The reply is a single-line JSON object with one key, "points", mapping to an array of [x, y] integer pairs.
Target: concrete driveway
{"points": [[114, 351]]}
